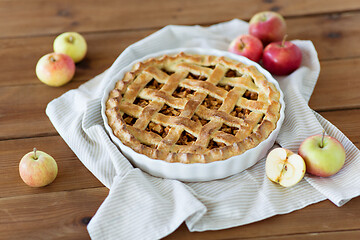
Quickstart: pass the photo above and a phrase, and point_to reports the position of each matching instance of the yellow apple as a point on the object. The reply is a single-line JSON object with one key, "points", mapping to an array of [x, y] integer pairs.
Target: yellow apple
{"points": [[324, 155], [72, 44], [55, 69], [38, 169], [284, 167]]}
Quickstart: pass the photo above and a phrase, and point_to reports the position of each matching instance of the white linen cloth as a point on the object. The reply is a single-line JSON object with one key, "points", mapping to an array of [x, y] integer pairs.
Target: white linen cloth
{"points": [[140, 206]]}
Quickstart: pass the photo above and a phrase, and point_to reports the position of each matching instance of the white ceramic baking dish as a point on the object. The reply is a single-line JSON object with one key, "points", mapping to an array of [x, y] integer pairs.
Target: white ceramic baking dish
{"points": [[196, 171]]}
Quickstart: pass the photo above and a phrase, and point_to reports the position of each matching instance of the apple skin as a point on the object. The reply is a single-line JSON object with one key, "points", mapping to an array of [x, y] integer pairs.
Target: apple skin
{"points": [[325, 161], [38, 172], [55, 69], [247, 46], [281, 58], [72, 44], [267, 26]]}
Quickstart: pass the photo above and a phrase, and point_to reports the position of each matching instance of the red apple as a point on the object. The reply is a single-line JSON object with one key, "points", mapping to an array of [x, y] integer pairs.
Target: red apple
{"points": [[267, 26], [247, 46], [38, 169], [324, 155], [282, 58], [55, 69]]}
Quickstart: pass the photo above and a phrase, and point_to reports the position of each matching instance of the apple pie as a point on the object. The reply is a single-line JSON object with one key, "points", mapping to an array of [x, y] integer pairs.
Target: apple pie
{"points": [[192, 108]]}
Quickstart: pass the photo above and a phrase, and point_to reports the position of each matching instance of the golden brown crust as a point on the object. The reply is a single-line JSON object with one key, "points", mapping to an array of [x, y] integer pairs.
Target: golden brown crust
{"points": [[192, 108]]}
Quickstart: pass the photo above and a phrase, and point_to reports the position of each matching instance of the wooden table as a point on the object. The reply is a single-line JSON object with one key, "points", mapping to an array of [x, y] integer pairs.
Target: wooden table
{"points": [[63, 209]]}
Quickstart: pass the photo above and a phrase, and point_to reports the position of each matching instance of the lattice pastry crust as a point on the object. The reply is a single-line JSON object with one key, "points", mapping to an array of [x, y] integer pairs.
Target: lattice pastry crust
{"points": [[192, 108]]}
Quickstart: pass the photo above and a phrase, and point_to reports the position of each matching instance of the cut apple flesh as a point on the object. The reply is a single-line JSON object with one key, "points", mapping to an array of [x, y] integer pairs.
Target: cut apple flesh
{"points": [[284, 167]]}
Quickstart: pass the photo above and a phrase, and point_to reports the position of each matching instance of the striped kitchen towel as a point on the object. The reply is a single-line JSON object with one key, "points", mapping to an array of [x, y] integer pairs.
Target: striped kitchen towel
{"points": [[140, 206]]}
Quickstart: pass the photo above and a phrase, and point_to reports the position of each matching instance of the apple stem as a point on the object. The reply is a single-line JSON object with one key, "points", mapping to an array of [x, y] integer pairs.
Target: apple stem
{"points": [[322, 139], [35, 154], [71, 39], [242, 43], [52, 59], [283, 41]]}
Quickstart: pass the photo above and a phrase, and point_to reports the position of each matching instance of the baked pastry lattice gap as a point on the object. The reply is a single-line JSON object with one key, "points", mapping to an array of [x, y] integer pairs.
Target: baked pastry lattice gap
{"points": [[199, 119], [182, 92], [229, 129], [195, 76], [212, 103], [129, 120], [170, 111], [154, 84], [240, 112], [186, 139], [141, 102]]}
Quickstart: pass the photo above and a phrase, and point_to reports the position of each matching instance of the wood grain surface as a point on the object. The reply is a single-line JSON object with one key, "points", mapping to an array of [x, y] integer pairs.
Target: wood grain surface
{"points": [[63, 209]]}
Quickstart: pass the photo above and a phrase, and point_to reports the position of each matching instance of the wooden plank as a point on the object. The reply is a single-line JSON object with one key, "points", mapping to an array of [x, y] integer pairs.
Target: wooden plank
{"points": [[57, 215], [72, 173], [65, 214], [41, 17], [326, 32], [22, 55], [340, 235], [335, 36], [22, 110], [347, 121], [337, 88], [323, 217], [105, 47]]}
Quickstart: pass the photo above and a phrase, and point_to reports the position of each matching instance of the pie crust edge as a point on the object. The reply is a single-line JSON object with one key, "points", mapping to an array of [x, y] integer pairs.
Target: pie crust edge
{"points": [[118, 125]]}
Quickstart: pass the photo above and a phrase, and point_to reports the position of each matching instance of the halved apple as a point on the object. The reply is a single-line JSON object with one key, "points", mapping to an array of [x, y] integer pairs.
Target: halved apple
{"points": [[284, 167]]}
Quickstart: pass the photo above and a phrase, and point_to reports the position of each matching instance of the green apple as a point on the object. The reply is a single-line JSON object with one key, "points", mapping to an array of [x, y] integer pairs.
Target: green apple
{"points": [[284, 167], [55, 69], [38, 169], [72, 44], [324, 155]]}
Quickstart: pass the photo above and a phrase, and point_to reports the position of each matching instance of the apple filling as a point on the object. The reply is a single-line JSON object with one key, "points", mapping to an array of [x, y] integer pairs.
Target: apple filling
{"points": [[250, 95], [211, 103], [229, 129], [232, 73], [153, 84], [170, 111], [200, 120], [182, 92], [186, 139], [194, 76], [226, 87], [240, 112], [158, 129], [129, 120], [213, 144], [141, 102]]}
